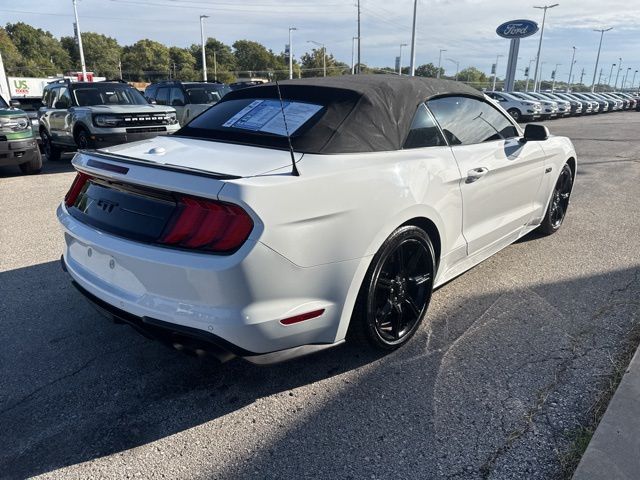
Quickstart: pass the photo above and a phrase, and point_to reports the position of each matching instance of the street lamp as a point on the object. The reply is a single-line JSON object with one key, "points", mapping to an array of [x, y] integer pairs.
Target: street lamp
{"points": [[526, 85], [544, 17], [353, 50], [412, 68], [573, 61], [440, 62], [633, 80], [83, 66], [595, 70], [624, 82], [610, 74], [400, 59], [615, 85], [495, 72], [291, 29], [204, 58], [457, 66], [554, 75], [324, 56]]}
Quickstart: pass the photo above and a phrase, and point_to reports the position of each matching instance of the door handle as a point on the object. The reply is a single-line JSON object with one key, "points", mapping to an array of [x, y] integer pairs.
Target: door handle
{"points": [[476, 174]]}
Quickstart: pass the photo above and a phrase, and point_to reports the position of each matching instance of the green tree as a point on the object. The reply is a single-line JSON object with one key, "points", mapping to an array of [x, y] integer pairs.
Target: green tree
{"points": [[253, 58], [101, 53], [42, 52], [221, 65], [182, 64], [428, 70], [145, 60], [312, 64], [472, 75], [13, 61]]}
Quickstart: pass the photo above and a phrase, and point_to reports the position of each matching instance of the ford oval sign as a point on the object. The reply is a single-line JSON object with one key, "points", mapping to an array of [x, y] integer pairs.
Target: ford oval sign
{"points": [[517, 29]]}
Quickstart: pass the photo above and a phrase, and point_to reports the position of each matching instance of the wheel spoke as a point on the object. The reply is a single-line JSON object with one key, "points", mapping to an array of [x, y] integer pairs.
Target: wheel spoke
{"points": [[397, 321], [413, 308], [420, 279], [383, 283]]}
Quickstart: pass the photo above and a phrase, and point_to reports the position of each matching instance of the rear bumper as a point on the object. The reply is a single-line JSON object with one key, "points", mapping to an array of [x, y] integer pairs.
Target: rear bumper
{"points": [[17, 152], [232, 304], [103, 140]]}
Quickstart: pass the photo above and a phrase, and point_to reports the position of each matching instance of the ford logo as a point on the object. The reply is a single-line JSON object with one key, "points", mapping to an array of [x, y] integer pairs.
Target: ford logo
{"points": [[517, 29]]}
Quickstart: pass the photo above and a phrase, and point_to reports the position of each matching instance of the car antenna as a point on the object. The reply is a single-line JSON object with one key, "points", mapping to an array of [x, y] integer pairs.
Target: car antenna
{"points": [[294, 169]]}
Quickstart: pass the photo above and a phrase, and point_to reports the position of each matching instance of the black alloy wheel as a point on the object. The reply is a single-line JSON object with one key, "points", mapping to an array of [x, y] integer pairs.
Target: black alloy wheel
{"points": [[515, 114], [52, 153], [397, 289], [559, 202], [83, 141]]}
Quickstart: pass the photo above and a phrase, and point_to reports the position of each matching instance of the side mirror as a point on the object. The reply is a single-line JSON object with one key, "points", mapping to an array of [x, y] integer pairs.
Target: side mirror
{"points": [[535, 133], [14, 103]]}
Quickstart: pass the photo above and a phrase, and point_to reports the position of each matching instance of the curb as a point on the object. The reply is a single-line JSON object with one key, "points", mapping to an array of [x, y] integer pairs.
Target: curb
{"points": [[614, 450]]}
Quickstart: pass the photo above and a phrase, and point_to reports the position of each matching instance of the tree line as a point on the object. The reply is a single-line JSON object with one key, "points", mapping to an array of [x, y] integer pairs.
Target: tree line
{"points": [[28, 51]]}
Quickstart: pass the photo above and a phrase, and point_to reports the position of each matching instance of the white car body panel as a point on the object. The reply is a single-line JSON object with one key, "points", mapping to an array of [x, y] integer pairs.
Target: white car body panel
{"points": [[314, 235]]}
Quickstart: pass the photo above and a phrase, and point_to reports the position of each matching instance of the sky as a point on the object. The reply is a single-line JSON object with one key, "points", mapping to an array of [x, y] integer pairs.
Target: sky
{"points": [[465, 28]]}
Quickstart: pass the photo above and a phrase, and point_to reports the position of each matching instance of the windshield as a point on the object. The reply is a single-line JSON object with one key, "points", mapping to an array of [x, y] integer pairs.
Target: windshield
{"points": [[3, 104], [107, 94], [206, 93]]}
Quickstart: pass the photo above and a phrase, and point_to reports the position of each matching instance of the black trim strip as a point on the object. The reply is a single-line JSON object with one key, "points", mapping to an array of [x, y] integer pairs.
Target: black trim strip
{"points": [[160, 166], [110, 167]]}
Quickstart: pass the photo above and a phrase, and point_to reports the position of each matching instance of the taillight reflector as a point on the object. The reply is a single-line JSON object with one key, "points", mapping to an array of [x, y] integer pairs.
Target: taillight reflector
{"points": [[204, 224], [302, 317], [76, 187]]}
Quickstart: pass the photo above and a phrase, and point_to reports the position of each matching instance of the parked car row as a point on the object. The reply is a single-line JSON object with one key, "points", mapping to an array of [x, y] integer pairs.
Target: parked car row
{"points": [[528, 106]]}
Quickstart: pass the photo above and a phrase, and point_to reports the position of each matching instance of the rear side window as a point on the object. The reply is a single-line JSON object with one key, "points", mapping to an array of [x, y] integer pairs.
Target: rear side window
{"points": [[424, 131], [467, 121], [163, 96], [176, 98]]}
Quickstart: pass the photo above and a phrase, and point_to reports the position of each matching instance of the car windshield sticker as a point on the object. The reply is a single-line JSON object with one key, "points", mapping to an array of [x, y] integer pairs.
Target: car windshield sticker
{"points": [[265, 116]]}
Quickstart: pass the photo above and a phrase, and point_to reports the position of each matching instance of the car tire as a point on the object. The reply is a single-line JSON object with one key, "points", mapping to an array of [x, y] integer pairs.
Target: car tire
{"points": [[52, 152], [515, 114], [32, 167], [559, 203], [396, 291], [83, 140]]}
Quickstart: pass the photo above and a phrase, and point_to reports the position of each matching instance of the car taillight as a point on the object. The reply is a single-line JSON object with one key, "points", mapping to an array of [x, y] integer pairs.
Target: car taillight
{"points": [[204, 224], [76, 187]]}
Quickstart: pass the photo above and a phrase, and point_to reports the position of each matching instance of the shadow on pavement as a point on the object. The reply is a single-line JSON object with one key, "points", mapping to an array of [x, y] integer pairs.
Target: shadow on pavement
{"points": [[76, 387]]}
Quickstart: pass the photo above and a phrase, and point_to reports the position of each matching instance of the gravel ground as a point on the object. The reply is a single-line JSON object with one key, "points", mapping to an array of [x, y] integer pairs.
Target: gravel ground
{"points": [[493, 386]]}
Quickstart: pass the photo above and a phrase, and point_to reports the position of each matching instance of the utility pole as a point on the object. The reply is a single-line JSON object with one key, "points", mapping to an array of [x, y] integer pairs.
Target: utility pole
{"points": [[291, 53], [615, 85], [82, 64], [412, 69], [204, 57], [554, 74], [633, 80], [595, 70], [215, 65], [495, 72], [400, 60], [526, 85], [581, 76], [544, 17], [440, 62], [573, 60], [120, 68], [353, 49], [359, 37], [600, 77], [457, 66]]}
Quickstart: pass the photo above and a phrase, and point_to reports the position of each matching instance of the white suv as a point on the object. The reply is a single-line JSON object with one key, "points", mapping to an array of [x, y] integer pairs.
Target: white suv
{"points": [[520, 110]]}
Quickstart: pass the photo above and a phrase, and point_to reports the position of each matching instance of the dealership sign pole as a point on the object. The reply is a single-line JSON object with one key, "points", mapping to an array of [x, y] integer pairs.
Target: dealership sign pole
{"points": [[514, 30]]}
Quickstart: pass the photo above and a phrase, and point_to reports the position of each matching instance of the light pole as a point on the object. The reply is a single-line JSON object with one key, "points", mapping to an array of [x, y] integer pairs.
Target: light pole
{"points": [[204, 58], [324, 56], [400, 59], [595, 70], [495, 72], [573, 61], [353, 50], [540, 80], [610, 74], [615, 85], [633, 80], [457, 66], [215, 65], [412, 69], [624, 82], [526, 85], [83, 66], [544, 17], [291, 29], [554, 76], [440, 62]]}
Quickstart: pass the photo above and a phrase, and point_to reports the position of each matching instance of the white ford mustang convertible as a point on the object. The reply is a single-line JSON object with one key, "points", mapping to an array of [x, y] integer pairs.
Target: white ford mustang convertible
{"points": [[288, 218]]}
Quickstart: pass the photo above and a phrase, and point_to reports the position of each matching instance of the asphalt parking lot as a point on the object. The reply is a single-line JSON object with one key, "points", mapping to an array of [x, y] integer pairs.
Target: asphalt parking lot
{"points": [[494, 385]]}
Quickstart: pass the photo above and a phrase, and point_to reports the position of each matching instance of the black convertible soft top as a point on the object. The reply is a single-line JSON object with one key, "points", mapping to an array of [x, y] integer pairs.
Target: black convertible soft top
{"points": [[362, 113]]}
